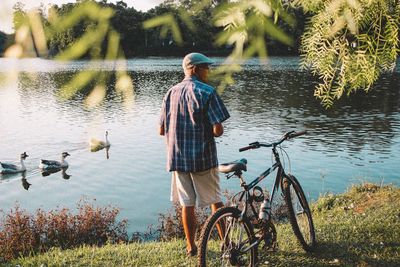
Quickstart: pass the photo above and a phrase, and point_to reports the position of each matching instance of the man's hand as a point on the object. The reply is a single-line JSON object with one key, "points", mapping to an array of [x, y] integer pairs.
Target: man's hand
{"points": [[218, 129], [161, 130]]}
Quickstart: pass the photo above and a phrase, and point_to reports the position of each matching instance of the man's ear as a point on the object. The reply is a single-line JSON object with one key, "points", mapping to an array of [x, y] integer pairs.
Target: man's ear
{"points": [[190, 72], [195, 69]]}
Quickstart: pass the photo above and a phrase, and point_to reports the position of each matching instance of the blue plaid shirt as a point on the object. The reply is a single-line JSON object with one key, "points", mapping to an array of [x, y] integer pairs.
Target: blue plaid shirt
{"points": [[189, 111]]}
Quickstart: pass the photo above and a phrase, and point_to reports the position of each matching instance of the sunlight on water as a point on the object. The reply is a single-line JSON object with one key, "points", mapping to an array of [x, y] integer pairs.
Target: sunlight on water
{"points": [[357, 140]]}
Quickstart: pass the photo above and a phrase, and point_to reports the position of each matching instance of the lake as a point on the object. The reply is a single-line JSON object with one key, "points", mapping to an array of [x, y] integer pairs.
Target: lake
{"points": [[357, 140]]}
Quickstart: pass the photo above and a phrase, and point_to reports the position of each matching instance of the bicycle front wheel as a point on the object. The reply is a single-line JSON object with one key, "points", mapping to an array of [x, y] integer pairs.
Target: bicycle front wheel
{"points": [[299, 213], [227, 241]]}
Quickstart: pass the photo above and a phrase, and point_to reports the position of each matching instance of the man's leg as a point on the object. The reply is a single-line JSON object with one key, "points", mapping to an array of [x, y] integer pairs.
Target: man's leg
{"points": [[189, 226], [220, 227], [182, 189], [216, 206]]}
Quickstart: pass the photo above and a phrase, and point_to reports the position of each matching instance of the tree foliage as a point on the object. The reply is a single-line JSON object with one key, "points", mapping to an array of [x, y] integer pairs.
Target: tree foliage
{"points": [[349, 44], [73, 31], [244, 27]]}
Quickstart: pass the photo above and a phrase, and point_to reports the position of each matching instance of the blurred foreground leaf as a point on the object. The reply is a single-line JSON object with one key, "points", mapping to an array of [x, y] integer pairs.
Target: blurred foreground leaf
{"points": [[246, 26], [98, 41]]}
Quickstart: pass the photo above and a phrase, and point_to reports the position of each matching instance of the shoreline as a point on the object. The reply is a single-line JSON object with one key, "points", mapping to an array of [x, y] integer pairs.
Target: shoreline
{"points": [[358, 227]]}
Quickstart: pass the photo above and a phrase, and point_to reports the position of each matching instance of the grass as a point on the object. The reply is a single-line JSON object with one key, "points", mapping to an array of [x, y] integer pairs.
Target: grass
{"points": [[358, 228], [170, 253]]}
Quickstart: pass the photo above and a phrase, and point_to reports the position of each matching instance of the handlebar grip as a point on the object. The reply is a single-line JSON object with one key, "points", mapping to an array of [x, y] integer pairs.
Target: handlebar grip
{"points": [[293, 135], [251, 146], [245, 148]]}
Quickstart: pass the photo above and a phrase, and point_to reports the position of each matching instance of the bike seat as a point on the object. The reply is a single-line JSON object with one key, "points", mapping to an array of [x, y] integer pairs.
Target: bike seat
{"points": [[237, 165]]}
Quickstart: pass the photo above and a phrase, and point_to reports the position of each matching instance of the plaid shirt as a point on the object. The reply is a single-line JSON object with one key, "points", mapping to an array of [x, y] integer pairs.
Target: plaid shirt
{"points": [[189, 111]]}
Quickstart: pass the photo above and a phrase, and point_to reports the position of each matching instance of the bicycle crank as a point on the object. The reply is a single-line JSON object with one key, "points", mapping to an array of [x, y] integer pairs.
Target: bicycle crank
{"points": [[236, 257]]}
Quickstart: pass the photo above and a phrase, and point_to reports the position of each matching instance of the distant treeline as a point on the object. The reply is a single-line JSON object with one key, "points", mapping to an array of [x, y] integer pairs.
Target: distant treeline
{"points": [[139, 42], [5, 41]]}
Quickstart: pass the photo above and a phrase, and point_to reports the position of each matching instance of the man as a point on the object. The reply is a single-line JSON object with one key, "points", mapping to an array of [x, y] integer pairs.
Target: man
{"points": [[191, 116]]}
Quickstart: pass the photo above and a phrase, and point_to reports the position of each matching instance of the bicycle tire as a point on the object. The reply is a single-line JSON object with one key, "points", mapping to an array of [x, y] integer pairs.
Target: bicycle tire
{"points": [[215, 251], [299, 213]]}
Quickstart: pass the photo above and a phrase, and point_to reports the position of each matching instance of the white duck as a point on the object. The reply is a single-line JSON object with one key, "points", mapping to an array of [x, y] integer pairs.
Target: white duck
{"points": [[53, 164], [96, 145], [8, 168]]}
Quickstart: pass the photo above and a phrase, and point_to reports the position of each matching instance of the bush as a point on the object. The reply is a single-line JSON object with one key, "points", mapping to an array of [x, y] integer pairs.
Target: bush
{"points": [[170, 224], [22, 233]]}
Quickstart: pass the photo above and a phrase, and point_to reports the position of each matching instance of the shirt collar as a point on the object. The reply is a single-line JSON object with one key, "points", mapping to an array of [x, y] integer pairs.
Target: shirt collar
{"points": [[191, 78]]}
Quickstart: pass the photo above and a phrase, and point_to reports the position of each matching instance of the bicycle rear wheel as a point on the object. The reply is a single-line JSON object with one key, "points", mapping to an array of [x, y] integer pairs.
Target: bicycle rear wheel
{"points": [[226, 241], [299, 213]]}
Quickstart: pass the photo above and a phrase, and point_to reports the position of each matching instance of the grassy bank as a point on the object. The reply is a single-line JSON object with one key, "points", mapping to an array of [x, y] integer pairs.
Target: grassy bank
{"points": [[358, 228]]}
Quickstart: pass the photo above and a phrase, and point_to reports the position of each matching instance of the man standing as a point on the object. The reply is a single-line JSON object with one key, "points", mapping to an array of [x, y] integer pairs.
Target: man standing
{"points": [[191, 116]]}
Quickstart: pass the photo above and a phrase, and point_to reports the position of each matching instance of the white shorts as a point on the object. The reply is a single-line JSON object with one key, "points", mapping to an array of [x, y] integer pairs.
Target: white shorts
{"points": [[191, 187]]}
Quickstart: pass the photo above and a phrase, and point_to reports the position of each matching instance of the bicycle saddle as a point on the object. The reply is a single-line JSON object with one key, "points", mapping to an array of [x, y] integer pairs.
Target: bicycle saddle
{"points": [[237, 165]]}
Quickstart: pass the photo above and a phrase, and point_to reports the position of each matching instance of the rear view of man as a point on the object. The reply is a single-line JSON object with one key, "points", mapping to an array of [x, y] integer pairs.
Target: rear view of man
{"points": [[191, 116]]}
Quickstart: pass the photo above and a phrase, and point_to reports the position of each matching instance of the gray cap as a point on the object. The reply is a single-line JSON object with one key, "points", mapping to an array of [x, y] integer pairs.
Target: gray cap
{"points": [[193, 59]]}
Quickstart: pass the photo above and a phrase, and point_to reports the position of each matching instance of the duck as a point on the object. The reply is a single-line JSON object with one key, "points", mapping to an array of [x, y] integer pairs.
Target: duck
{"points": [[53, 164], [96, 145], [8, 168]]}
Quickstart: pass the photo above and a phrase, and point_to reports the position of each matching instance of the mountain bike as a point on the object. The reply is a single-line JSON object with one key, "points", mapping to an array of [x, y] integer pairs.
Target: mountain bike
{"points": [[231, 236]]}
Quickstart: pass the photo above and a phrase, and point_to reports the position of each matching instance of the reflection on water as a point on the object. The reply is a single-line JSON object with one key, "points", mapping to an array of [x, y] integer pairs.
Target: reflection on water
{"points": [[25, 183], [64, 174], [356, 140], [106, 149], [16, 176], [107, 153], [285, 100]]}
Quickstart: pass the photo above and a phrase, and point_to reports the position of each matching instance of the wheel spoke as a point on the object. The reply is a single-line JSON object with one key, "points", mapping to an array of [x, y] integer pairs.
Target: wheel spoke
{"points": [[233, 249]]}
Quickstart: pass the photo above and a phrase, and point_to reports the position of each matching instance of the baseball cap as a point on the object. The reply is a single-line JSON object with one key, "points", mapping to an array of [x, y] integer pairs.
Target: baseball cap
{"points": [[193, 59]]}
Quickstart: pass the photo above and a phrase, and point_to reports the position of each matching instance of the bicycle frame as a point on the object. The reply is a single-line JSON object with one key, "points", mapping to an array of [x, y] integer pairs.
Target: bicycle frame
{"points": [[278, 180], [247, 187]]}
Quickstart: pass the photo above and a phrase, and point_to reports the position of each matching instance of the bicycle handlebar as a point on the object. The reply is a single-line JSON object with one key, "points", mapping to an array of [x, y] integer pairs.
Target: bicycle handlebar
{"points": [[250, 146], [294, 134], [286, 136]]}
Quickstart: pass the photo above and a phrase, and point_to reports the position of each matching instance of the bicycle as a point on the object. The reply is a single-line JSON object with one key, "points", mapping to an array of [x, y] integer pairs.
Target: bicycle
{"points": [[228, 236]]}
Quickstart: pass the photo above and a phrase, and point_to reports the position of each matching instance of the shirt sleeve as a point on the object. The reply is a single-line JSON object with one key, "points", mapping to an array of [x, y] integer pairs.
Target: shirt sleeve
{"points": [[217, 111], [162, 114]]}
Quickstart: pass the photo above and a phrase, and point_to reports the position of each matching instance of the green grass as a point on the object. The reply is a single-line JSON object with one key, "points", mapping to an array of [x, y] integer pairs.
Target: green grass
{"points": [[135, 254], [358, 228]]}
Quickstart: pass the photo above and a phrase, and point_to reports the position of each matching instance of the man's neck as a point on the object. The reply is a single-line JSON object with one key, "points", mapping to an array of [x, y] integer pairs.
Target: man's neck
{"points": [[194, 77]]}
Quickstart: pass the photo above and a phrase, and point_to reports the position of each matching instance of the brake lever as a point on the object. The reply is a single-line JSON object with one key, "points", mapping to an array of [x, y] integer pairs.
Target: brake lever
{"points": [[287, 135], [229, 176]]}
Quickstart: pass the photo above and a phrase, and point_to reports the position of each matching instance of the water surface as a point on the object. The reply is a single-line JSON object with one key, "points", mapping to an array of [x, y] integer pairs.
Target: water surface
{"points": [[356, 140]]}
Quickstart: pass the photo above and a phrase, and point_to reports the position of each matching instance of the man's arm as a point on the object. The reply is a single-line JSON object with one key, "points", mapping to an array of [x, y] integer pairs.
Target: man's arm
{"points": [[217, 114], [218, 129]]}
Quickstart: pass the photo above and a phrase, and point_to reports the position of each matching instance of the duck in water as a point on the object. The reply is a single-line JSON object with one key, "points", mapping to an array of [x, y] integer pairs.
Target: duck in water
{"points": [[9, 168]]}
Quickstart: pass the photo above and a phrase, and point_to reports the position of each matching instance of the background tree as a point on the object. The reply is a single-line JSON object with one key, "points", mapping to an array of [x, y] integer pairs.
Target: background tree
{"points": [[4, 41], [348, 44]]}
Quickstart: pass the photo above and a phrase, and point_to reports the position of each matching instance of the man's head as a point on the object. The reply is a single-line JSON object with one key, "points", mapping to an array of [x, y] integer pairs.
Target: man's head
{"points": [[197, 64]]}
